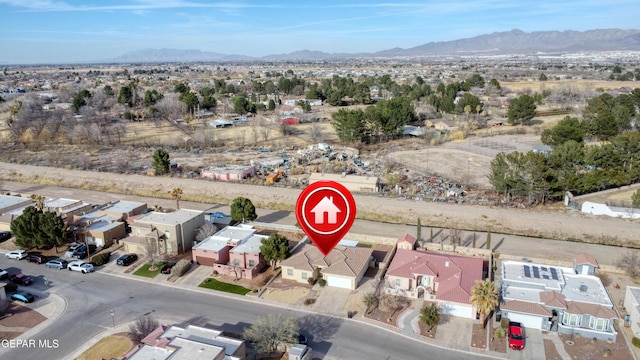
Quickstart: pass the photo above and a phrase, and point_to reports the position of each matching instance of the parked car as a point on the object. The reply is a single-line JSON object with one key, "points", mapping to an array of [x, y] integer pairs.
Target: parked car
{"points": [[516, 336], [302, 339], [5, 235], [72, 248], [127, 259], [81, 266], [21, 279], [37, 258], [80, 253], [166, 269], [25, 297], [16, 254], [3, 274], [57, 264]]}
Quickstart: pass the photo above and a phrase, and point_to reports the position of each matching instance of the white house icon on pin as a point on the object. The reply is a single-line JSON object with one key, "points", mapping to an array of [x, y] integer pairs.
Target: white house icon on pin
{"points": [[327, 206]]}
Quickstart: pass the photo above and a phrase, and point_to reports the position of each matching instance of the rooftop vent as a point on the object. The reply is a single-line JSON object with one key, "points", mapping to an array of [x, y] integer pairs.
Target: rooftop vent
{"points": [[583, 288]]}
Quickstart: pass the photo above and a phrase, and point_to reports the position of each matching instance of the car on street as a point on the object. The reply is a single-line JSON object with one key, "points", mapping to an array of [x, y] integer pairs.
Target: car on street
{"points": [[3, 274], [166, 269], [5, 235], [72, 248], [302, 339], [21, 279], [516, 336], [127, 259], [80, 266], [57, 264], [37, 258], [16, 254], [25, 297], [81, 253]]}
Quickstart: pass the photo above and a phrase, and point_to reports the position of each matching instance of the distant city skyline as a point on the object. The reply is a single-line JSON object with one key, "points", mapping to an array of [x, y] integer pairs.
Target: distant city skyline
{"points": [[69, 31]]}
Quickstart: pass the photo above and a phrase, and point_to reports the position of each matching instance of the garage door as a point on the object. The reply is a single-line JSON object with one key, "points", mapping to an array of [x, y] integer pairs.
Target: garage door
{"points": [[207, 261], [339, 282], [457, 310], [528, 321]]}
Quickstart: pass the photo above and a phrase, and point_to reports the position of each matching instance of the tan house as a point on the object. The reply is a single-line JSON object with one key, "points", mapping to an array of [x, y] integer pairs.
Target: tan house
{"points": [[344, 267], [123, 209], [406, 242], [175, 231]]}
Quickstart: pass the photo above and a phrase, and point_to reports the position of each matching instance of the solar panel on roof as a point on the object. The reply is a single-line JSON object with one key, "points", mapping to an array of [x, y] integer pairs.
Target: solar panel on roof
{"points": [[545, 277], [527, 272], [536, 272], [554, 274], [543, 268]]}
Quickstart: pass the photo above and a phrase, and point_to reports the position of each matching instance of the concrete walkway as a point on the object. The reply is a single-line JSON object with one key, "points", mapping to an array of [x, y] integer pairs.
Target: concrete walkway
{"points": [[558, 344]]}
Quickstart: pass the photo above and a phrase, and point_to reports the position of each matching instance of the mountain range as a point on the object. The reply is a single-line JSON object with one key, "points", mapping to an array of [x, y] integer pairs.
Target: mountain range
{"points": [[512, 42]]}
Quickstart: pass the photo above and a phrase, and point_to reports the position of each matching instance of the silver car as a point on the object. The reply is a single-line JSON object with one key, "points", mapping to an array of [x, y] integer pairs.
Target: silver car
{"points": [[16, 254]]}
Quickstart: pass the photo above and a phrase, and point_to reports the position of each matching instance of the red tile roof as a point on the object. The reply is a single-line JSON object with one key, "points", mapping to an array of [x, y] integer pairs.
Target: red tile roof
{"points": [[553, 299], [406, 238], [599, 311], [455, 275], [584, 258]]}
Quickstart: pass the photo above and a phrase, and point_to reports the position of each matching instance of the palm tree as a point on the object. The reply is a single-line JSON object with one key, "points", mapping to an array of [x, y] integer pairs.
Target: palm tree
{"points": [[370, 300], [39, 199], [430, 315], [176, 194], [484, 297]]}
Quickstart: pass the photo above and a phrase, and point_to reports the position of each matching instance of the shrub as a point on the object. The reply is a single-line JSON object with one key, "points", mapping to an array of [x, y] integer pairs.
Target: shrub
{"points": [[311, 281], [181, 267], [499, 333], [636, 342], [101, 258], [504, 323], [322, 282], [309, 301]]}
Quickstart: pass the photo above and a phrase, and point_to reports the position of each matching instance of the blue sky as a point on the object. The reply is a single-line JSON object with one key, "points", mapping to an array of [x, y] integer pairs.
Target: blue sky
{"points": [[58, 31]]}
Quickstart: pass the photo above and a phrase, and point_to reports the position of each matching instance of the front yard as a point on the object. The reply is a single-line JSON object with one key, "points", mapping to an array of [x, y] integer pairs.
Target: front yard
{"points": [[144, 270], [213, 284]]}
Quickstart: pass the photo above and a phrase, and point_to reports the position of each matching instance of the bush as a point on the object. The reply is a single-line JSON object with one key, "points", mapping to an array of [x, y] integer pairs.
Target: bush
{"points": [[499, 333], [101, 258], [636, 342], [181, 267], [311, 281], [504, 323], [309, 301], [322, 282]]}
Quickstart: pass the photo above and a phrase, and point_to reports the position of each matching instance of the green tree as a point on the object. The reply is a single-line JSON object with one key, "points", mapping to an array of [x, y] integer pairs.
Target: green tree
{"points": [[190, 99], [484, 297], [269, 332], [240, 105], [176, 194], [542, 77], [79, 100], [181, 88], [494, 82], [151, 97], [350, 125], [242, 210], [566, 129], [125, 97], [208, 102], [521, 110], [470, 100], [108, 90], [35, 228], [430, 315], [272, 105], [161, 161], [635, 199], [275, 248]]}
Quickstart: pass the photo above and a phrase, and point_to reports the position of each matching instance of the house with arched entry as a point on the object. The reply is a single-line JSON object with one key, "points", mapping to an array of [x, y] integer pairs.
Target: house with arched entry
{"points": [[442, 278]]}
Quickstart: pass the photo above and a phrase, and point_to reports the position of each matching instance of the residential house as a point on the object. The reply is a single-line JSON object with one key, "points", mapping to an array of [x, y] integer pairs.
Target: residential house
{"points": [[344, 267], [557, 298], [10, 208], [441, 124], [353, 183], [122, 210], [406, 242], [632, 307], [98, 228], [66, 208], [234, 251], [190, 342], [175, 232], [445, 279], [585, 264], [228, 173]]}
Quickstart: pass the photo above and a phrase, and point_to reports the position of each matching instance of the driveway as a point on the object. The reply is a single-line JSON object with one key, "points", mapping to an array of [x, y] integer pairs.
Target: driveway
{"points": [[331, 300]]}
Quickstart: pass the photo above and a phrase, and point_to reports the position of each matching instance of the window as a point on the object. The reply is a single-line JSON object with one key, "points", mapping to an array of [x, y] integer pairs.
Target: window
{"points": [[167, 234], [570, 319], [598, 323], [304, 276], [236, 262], [289, 272], [251, 263], [398, 282]]}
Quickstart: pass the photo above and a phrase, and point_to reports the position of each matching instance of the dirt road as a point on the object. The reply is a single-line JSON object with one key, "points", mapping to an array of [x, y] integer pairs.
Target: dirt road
{"points": [[561, 224]]}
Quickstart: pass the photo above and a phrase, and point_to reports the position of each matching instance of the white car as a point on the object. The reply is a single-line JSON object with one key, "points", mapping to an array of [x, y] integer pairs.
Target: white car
{"points": [[81, 266], [16, 254]]}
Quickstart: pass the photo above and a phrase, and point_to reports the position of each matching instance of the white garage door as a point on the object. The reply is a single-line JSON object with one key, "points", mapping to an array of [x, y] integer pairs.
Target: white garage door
{"points": [[457, 310], [339, 282], [528, 321]]}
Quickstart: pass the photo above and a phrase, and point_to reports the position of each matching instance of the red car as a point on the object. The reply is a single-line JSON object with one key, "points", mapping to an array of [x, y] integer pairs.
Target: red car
{"points": [[516, 336], [21, 279]]}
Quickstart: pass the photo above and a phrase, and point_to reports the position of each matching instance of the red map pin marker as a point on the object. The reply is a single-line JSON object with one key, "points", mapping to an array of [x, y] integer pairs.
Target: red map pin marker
{"points": [[325, 211]]}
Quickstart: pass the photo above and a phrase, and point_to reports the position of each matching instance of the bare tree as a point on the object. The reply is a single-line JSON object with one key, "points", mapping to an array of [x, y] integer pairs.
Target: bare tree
{"points": [[151, 251], [315, 133], [240, 137], [143, 327], [170, 108], [176, 194], [269, 332], [265, 131], [630, 263], [455, 235], [205, 231]]}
